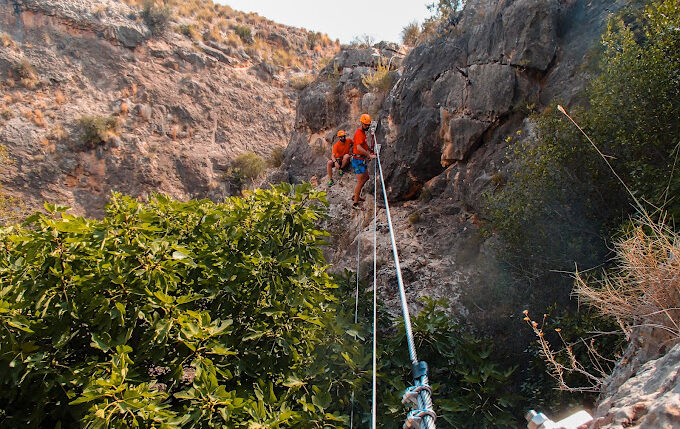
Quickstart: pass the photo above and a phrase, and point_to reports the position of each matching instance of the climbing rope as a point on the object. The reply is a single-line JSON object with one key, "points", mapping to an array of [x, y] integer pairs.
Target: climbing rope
{"points": [[356, 319], [375, 293], [421, 393]]}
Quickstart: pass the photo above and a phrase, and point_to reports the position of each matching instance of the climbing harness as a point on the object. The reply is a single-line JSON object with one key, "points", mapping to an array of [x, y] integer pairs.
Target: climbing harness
{"points": [[420, 394]]}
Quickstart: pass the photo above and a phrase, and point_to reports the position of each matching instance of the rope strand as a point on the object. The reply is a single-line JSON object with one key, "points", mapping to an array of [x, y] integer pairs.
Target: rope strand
{"points": [[375, 291], [424, 399], [356, 319]]}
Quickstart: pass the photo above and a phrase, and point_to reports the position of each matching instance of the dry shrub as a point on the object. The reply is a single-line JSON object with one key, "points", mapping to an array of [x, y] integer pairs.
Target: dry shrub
{"points": [[276, 157], [598, 367], [190, 31], [245, 33], [379, 80], [6, 40], [282, 58], [410, 34], [57, 133], [644, 290], [224, 10], [59, 97], [233, 40], [205, 14], [124, 109], [214, 34], [156, 17], [27, 74], [38, 118], [97, 129], [6, 113], [301, 82]]}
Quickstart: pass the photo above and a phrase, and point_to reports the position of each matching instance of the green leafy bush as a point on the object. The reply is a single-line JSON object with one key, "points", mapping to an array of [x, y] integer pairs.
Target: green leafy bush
{"points": [[155, 17], [204, 315], [471, 389], [166, 313]]}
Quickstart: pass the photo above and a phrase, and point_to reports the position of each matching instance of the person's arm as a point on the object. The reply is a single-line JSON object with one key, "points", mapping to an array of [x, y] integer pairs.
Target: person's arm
{"points": [[364, 152]]}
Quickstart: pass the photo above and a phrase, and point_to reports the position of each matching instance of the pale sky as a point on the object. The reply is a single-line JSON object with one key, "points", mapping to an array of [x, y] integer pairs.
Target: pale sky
{"points": [[340, 19]]}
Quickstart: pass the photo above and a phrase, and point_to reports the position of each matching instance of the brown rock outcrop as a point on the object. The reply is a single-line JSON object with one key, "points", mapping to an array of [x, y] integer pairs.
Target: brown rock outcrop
{"points": [[183, 108]]}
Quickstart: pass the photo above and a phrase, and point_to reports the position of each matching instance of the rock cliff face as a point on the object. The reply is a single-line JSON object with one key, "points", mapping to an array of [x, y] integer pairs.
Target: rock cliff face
{"points": [[184, 108], [644, 389], [445, 124]]}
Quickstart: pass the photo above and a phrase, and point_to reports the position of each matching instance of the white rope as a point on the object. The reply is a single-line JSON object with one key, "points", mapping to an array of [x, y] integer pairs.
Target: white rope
{"points": [[375, 291], [356, 318], [424, 397]]}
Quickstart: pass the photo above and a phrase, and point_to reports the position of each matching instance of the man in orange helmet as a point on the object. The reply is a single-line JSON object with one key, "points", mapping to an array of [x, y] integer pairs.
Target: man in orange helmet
{"points": [[360, 156], [339, 156]]}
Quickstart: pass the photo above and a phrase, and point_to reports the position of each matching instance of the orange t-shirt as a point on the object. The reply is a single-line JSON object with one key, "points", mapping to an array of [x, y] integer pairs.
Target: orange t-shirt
{"points": [[360, 140], [341, 149]]}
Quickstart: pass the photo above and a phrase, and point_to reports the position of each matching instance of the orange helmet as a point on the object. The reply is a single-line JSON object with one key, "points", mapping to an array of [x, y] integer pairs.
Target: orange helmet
{"points": [[365, 119], [341, 133]]}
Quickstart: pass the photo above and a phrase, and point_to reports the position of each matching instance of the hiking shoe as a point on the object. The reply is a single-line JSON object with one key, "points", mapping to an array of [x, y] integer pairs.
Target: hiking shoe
{"points": [[330, 183], [357, 206], [340, 173]]}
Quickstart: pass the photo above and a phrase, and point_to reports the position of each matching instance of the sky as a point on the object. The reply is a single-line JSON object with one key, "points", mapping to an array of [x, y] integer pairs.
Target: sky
{"points": [[341, 19]]}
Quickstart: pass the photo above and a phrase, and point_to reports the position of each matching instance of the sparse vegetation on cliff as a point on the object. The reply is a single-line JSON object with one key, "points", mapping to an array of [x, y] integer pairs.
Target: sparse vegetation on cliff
{"points": [[155, 17], [380, 79], [561, 205], [97, 129]]}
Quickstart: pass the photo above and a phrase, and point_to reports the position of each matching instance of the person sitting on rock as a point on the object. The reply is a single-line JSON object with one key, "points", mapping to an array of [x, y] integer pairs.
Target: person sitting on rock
{"points": [[339, 156], [360, 156]]}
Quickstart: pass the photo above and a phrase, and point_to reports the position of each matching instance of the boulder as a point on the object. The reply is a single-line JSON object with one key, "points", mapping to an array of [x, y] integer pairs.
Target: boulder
{"points": [[464, 134], [648, 399], [492, 89]]}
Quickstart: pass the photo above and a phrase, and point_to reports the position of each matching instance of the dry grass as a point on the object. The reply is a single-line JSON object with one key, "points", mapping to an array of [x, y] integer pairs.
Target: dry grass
{"points": [[233, 40], [190, 31], [38, 118], [379, 80], [57, 133], [645, 288], [301, 81], [6, 41], [59, 97]]}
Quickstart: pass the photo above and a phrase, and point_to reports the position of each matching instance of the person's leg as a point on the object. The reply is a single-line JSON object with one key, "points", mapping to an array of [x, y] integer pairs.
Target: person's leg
{"points": [[361, 180], [345, 160], [329, 169]]}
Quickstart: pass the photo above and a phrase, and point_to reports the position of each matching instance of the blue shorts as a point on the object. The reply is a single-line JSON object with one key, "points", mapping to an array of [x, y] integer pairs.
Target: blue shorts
{"points": [[359, 166]]}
